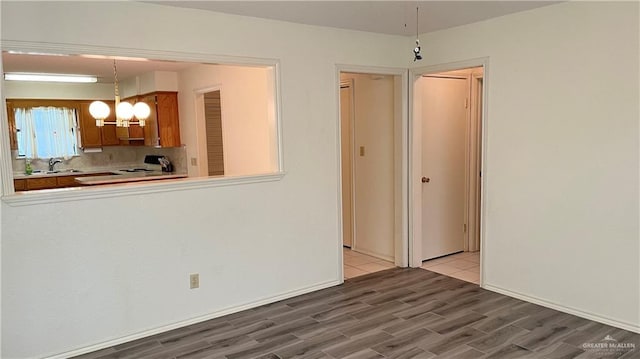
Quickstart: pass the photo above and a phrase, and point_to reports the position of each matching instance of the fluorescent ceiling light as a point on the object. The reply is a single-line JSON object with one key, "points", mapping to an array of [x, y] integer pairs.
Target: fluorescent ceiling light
{"points": [[34, 53], [121, 58], [49, 77]]}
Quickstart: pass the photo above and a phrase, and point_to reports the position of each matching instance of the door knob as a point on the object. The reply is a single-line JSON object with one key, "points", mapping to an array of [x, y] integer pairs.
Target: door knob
{"points": [[426, 179]]}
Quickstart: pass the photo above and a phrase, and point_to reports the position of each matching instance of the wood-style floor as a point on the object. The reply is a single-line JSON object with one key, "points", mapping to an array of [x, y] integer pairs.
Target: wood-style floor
{"points": [[396, 313]]}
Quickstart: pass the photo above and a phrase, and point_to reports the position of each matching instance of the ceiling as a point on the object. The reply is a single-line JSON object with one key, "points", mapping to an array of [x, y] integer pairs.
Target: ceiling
{"points": [[385, 17]]}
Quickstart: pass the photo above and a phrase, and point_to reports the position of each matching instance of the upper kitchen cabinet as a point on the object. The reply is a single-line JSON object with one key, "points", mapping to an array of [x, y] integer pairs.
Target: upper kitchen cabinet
{"points": [[132, 135], [108, 133], [89, 133], [13, 142], [163, 127], [92, 136]]}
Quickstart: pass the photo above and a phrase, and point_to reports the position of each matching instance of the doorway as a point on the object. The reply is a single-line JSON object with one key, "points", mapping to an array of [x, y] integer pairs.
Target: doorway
{"points": [[370, 107], [447, 125]]}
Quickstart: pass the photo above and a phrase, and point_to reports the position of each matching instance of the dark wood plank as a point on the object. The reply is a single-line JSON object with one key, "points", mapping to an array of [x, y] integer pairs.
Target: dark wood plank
{"points": [[543, 336], [491, 342], [462, 336], [509, 351], [356, 345], [311, 346], [403, 345]]}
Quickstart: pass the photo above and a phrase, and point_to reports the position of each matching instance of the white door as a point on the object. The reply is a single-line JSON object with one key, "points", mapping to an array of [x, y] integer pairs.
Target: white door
{"points": [[346, 100], [443, 165]]}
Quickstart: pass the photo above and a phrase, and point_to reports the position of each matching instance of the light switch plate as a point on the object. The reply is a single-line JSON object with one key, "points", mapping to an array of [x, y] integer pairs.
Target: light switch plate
{"points": [[194, 281]]}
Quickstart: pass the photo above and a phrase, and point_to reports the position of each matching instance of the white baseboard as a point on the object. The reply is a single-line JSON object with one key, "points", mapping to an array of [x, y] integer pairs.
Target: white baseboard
{"points": [[372, 254], [196, 320], [577, 312]]}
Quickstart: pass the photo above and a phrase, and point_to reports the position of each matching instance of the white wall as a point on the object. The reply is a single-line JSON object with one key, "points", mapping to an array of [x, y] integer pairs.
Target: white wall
{"points": [[561, 170], [374, 113], [87, 278], [160, 81], [247, 124], [561, 175], [148, 82], [54, 90]]}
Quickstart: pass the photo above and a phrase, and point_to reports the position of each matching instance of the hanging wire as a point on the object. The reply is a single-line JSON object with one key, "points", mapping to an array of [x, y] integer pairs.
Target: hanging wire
{"points": [[416, 50], [115, 76], [417, 23]]}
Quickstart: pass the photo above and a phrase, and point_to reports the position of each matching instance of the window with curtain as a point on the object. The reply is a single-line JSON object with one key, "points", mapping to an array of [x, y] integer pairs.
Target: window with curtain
{"points": [[45, 132]]}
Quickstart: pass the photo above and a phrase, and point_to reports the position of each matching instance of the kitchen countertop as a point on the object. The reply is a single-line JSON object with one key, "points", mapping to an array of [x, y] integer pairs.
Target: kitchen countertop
{"points": [[112, 175], [127, 177], [63, 173]]}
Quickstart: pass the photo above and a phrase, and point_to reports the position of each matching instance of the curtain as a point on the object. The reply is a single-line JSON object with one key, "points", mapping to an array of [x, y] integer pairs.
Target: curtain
{"points": [[45, 132]]}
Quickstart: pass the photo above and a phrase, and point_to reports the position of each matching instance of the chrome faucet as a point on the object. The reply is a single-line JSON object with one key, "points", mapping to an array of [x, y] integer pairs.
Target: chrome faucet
{"points": [[52, 162]]}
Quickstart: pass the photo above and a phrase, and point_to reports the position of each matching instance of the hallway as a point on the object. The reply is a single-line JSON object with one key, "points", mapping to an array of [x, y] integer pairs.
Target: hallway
{"points": [[357, 264]]}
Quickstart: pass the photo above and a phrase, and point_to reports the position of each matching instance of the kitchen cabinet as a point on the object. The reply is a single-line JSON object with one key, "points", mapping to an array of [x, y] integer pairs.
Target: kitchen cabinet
{"points": [[66, 181], [70, 181], [92, 136], [29, 184], [13, 133], [41, 183], [134, 135], [20, 184], [108, 133], [163, 126], [89, 133], [130, 136]]}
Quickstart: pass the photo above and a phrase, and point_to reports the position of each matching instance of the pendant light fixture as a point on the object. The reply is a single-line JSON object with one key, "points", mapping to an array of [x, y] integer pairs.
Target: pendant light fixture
{"points": [[416, 51], [125, 112]]}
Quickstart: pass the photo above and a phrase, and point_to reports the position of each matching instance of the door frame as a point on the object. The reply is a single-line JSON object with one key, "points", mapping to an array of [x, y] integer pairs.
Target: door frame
{"points": [[401, 162], [350, 84], [201, 127], [472, 194], [415, 167]]}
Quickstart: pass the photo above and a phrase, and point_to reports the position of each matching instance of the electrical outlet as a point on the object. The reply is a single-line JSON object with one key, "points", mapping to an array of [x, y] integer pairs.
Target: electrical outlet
{"points": [[194, 281], [194, 161], [362, 151]]}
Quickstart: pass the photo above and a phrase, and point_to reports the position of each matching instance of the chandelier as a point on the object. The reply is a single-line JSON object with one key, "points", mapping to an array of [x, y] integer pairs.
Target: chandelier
{"points": [[125, 112]]}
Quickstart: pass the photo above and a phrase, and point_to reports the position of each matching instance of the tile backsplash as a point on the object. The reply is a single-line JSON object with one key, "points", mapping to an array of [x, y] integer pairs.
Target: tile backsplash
{"points": [[110, 157]]}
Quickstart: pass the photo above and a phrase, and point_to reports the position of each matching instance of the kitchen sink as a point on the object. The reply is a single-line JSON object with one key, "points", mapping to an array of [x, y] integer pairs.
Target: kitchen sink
{"points": [[41, 172]]}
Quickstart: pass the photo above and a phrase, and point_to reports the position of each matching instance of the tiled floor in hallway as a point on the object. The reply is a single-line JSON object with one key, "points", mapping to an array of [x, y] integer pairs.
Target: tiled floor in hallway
{"points": [[464, 265], [357, 264]]}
